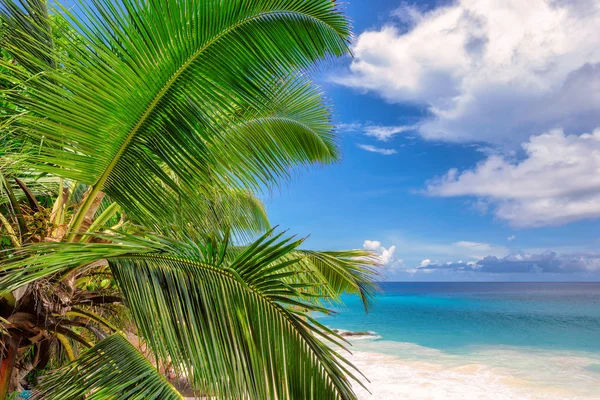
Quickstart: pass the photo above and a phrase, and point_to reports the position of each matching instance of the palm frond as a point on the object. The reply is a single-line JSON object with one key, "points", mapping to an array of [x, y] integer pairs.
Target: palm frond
{"points": [[111, 369], [236, 328], [338, 272], [219, 210], [39, 260], [326, 275], [27, 25], [171, 86]]}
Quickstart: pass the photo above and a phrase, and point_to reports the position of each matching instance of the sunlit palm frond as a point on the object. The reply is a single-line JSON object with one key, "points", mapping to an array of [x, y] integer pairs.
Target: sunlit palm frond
{"points": [[236, 328], [339, 272], [27, 25], [163, 86], [237, 210], [111, 369], [40, 260], [329, 274], [218, 211]]}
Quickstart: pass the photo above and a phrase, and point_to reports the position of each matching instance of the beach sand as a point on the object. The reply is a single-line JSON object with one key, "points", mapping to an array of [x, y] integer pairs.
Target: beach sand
{"points": [[408, 371]]}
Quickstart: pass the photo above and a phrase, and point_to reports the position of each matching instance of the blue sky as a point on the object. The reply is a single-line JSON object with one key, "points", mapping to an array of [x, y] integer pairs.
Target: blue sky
{"points": [[470, 134]]}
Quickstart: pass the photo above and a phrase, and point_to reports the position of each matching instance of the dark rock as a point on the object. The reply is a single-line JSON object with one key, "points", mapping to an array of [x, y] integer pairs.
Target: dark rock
{"points": [[348, 333]]}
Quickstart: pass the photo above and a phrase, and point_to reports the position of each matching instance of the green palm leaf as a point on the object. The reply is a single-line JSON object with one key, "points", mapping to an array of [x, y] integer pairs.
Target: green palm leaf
{"points": [[28, 27], [328, 274], [179, 111], [338, 272], [183, 87], [218, 211], [40, 260], [236, 328], [112, 369]]}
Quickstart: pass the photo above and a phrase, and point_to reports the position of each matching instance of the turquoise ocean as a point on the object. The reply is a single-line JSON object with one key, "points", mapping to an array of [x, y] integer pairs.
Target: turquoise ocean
{"points": [[477, 340]]}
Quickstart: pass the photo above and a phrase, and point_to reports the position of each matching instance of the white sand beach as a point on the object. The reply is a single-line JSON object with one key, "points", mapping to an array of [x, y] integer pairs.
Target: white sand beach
{"points": [[500, 373]]}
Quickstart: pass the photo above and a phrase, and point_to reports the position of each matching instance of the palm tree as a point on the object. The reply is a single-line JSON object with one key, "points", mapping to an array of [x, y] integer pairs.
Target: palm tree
{"points": [[139, 132]]}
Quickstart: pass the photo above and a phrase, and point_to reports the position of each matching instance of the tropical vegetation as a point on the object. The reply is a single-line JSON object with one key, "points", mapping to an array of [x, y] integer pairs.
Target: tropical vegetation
{"points": [[137, 138]]}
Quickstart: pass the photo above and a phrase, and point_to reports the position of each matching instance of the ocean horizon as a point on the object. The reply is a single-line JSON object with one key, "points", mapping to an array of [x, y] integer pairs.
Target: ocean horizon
{"points": [[469, 340]]}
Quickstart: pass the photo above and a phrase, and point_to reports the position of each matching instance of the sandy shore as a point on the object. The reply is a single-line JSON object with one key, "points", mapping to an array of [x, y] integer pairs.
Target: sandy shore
{"points": [[396, 370], [421, 373]]}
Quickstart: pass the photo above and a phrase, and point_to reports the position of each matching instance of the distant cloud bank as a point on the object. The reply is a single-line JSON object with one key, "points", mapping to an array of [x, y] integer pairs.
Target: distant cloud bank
{"points": [[522, 262], [480, 259]]}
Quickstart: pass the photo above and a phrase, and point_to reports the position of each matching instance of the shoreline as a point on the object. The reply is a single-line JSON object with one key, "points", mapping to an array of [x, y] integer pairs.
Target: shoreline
{"points": [[409, 371]]}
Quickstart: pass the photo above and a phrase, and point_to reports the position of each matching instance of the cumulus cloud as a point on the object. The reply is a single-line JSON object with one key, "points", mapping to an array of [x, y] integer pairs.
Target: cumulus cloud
{"points": [[496, 71], [425, 262], [522, 262], [511, 238], [408, 14], [386, 256], [380, 150], [371, 245], [557, 182]]}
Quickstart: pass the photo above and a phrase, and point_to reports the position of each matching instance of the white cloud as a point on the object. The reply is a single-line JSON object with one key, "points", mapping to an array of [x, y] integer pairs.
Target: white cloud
{"points": [[495, 70], [557, 182], [371, 245], [522, 262], [494, 260], [373, 149], [414, 250], [380, 132], [386, 256], [385, 133], [349, 127], [511, 238], [408, 14]]}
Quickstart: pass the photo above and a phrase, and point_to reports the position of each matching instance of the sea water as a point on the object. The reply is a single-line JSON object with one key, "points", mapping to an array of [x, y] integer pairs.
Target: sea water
{"points": [[477, 340]]}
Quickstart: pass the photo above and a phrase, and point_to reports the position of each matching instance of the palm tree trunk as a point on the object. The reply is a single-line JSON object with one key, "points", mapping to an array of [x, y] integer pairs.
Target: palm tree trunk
{"points": [[7, 364]]}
